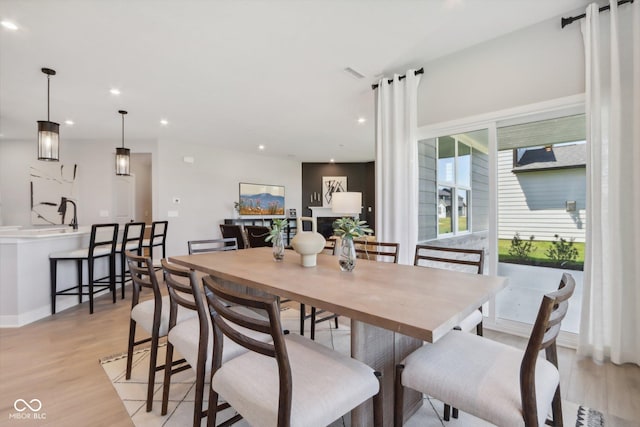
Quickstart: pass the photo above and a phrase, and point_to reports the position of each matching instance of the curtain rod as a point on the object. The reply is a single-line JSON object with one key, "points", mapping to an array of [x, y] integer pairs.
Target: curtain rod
{"points": [[420, 71], [567, 21]]}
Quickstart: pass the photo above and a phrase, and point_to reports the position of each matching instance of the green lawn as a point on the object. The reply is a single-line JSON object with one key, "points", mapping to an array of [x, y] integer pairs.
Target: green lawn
{"points": [[538, 256], [444, 224]]}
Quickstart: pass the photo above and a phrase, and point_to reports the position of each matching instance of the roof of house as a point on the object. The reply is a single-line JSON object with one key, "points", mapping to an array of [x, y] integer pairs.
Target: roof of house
{"points": [[559, 157]]}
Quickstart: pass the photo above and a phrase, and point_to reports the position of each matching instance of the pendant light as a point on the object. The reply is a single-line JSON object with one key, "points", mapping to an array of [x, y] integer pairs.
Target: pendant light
{"points": [[122, 154], [48, 132]]}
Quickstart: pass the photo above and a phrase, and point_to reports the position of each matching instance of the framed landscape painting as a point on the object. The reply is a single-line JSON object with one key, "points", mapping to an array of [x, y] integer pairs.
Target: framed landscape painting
{"points": [[261, 199]]}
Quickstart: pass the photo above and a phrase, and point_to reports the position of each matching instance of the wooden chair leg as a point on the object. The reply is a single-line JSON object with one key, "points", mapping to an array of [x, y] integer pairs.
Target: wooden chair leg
{"points": [[132, 336], [167, 379], [446, 414], [556, 409], [378, 400], [398, 397], [454, 412], [153, 362], [336, 320], [123, 270]]}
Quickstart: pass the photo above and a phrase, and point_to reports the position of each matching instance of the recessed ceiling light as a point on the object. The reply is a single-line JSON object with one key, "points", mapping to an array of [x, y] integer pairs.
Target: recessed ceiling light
{"points": [[261, 147], [164, 122], [361, 120], [114, 91], [332, 160], [69, 122], [9, 25]]}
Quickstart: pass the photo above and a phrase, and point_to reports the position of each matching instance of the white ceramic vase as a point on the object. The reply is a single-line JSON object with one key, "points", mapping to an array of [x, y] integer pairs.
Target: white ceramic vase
{"points": [[308, 243]]}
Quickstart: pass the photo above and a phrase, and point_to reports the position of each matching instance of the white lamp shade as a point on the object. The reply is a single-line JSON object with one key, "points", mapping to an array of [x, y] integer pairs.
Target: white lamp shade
{"points": [[346, 203]]}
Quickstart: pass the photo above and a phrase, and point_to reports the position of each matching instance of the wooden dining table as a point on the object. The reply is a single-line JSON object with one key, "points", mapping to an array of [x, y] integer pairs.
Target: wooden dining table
{"points": [[393, 308]]}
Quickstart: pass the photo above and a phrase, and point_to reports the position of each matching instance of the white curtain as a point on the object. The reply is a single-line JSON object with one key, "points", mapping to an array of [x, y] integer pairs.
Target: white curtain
{"points": [[397, 163], [610, 324]]}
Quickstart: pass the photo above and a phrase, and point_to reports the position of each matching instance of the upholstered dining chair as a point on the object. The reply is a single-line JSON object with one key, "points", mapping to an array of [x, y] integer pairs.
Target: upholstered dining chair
{"points": [[102, 245], [298, 383], [131, 241], [212, 245], [150, 314], [256, 235], [192, 338], [491, 380], [460, 259], [232, 230], [157, 238], [371, 250]]}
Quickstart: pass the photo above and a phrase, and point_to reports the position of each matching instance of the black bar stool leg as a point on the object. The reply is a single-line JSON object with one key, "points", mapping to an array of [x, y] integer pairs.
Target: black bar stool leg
{"points": [[80, 278], [53, 268], [303, 313], [91, 266]]}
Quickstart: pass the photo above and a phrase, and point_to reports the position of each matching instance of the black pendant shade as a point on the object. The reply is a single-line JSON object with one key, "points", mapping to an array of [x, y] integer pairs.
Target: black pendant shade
{"points": [[122, 154], [48, 131]]}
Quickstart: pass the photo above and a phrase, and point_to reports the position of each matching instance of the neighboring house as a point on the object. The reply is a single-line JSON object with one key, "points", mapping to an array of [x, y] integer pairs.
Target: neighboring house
{"points": [[542, 192]]}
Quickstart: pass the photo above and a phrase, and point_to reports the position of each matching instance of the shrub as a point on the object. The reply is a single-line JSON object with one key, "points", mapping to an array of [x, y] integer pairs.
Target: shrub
{"points": [[562, 251], [521, 249]]}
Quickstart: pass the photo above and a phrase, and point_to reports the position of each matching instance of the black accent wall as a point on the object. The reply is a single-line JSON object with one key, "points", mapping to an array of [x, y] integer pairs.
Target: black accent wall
{"points": [[360, 177]]}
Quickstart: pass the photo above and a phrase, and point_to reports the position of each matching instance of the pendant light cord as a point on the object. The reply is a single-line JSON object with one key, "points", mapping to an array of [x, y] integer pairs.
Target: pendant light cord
{"points": [[122, 130], [48, 80]]}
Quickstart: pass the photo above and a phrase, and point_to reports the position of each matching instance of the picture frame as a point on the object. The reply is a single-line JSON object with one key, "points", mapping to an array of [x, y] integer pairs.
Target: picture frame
{"points": [[261, 200], [330, 185]]}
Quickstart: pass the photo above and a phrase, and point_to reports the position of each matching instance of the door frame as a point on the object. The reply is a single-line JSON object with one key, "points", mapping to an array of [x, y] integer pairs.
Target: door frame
{"points": [[565, 106]]}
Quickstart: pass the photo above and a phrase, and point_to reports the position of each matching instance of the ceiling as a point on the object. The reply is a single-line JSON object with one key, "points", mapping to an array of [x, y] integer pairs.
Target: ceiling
{"points": [[232, 74]]}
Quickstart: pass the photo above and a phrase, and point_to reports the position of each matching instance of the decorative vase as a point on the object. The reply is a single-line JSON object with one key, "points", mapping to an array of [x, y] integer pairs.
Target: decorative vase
{"points": [[278, 247], [307, 243], [347, 256]]}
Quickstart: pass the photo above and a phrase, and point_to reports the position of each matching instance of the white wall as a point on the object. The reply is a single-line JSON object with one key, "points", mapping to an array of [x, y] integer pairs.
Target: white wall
{"points": [[535, 64], [208, 187]]}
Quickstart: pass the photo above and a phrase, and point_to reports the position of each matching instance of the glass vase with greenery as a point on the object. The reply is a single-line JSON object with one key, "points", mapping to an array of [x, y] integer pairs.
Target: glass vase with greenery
{"points": [[347, 229], [276, 236]]}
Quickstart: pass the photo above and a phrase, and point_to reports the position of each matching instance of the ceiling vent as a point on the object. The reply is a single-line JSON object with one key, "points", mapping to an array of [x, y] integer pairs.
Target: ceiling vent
{"points": [[353, 73]]}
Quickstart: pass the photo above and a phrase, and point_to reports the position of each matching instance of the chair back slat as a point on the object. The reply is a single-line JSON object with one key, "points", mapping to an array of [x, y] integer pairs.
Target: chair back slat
{"points": [[103, 235], [158, 233], [179, 284], [329, 246], [212, 245], [142, 276], [133, 233], [543, 336], [377, 251], [440, 257]]}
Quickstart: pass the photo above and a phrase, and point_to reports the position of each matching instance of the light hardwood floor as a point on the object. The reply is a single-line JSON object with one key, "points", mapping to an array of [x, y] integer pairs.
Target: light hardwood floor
{"points": [[56, 360]]}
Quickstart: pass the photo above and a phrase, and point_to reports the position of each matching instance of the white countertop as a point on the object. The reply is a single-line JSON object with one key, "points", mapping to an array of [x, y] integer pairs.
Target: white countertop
{"points": [[42, 233]]}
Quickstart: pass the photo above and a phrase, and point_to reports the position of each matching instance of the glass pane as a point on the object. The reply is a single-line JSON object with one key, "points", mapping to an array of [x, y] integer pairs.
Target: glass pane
{"points": [[463, 169], [444, 210], [446, 156], [463, 209], [541, 218]]}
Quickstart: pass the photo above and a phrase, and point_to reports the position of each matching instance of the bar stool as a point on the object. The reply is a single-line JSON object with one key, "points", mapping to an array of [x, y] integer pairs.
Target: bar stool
{"points": [[131, 241], [158, 237], [102, 244]]}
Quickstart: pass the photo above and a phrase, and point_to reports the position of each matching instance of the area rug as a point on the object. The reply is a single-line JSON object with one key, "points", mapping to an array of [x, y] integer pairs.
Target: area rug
{"points": [[588, 417], [180, 412]]}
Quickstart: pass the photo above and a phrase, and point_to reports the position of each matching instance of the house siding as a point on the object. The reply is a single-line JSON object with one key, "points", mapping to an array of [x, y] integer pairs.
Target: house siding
{"points": [[533, 203], [428, 200]]}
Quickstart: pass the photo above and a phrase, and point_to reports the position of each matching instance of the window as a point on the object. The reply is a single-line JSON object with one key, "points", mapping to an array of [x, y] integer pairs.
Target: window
{"points": [[454, 185]]}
